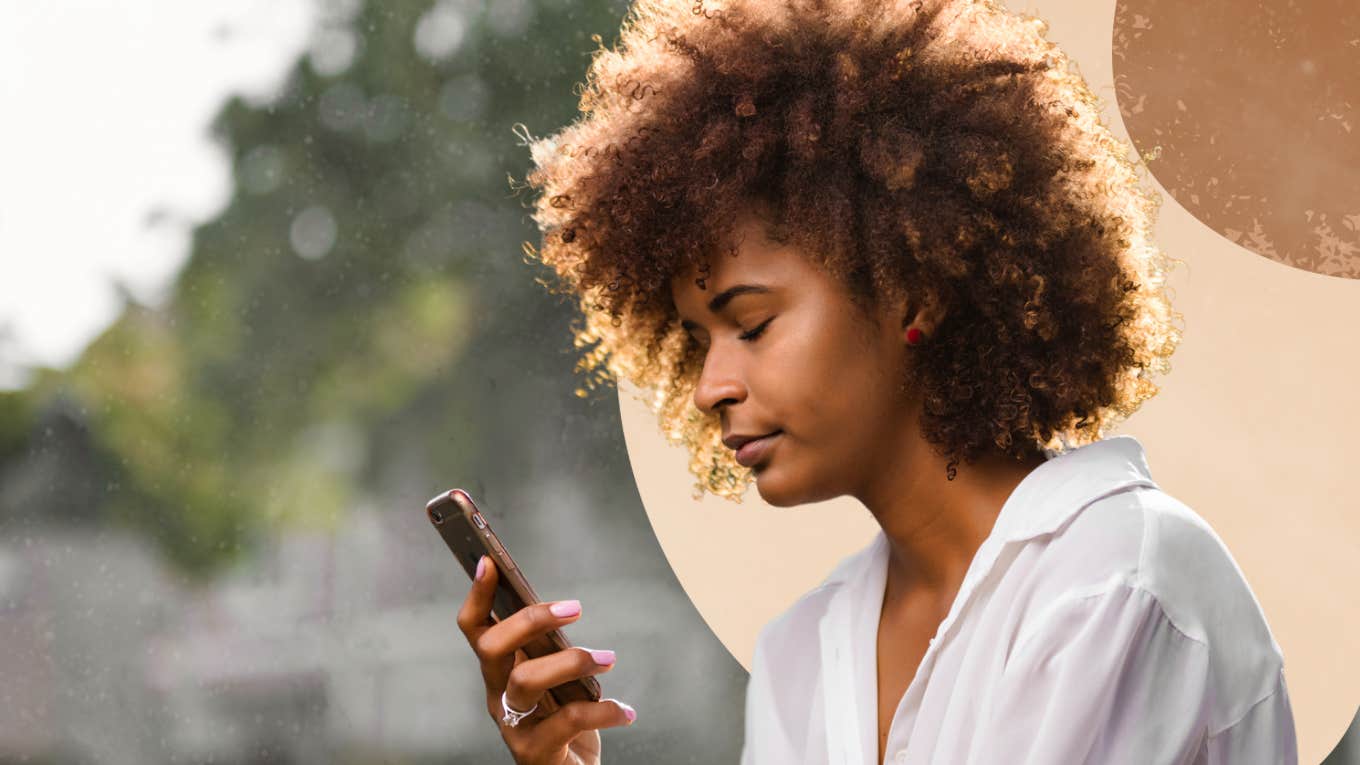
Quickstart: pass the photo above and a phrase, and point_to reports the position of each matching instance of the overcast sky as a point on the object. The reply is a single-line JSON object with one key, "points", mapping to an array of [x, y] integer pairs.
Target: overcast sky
{"points": [[104, 153]]}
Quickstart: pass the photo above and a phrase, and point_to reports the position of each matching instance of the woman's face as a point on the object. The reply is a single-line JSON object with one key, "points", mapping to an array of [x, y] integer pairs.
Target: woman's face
{"points": [[819, 372]]}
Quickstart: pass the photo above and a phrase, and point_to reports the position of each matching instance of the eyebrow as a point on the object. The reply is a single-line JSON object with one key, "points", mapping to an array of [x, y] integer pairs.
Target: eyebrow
{"points": [[721, 300]]}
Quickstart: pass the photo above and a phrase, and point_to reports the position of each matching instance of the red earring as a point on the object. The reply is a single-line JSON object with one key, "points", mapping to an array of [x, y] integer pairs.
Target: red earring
{"points": [[914, 336]]}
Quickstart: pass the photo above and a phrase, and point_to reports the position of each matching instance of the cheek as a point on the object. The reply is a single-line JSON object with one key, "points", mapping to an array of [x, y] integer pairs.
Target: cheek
{"points": [[864, 389], [830, 393]]}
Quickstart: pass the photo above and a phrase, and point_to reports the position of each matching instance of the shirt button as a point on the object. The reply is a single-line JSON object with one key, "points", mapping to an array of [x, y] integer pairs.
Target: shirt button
{"points": [[901, 756]]}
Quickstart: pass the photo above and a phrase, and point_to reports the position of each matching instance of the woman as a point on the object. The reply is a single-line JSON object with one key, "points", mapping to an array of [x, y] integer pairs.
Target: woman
{"points": [[892, 246]]}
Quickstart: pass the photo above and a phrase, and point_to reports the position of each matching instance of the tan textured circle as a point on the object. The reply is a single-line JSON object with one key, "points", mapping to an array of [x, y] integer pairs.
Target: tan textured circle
{"points": [[1253, 429], [1249, 116]]}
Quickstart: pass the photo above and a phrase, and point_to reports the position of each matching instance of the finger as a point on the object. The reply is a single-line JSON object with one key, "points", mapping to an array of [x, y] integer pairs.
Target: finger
{"points": [[493, 698], [573, 718], [529, 680], [524, 625], [475, 618]]}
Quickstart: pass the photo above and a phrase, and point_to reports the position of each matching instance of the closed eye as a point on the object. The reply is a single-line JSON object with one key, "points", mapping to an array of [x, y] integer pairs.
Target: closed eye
{"points": [[753, 334]]}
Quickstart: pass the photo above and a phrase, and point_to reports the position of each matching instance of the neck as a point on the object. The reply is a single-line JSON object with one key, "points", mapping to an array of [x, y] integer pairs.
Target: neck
{"points": [[934, 526]]}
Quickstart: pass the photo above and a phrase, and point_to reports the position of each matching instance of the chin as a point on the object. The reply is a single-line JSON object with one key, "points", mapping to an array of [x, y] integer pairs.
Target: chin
{"points": [[774, 500], [776, 491], [785, 488]]}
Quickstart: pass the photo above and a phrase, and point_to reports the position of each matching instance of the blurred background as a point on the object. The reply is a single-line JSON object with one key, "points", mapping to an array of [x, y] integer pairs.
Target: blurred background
{"points": [[263, 297]]}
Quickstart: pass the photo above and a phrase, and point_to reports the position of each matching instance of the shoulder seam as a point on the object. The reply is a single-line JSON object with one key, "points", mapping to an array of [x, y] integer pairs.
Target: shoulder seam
{"points": [[1147, 552], [1094, 591], [1279, 684]]}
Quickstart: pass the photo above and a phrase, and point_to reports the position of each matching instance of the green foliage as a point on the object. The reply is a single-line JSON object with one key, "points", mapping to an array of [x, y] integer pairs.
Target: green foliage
{"points": [[363, 288], [16, 419]]}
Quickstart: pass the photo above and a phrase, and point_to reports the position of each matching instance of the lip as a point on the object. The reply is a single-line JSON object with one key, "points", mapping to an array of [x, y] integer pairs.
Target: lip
{"points": [[751, 451]]}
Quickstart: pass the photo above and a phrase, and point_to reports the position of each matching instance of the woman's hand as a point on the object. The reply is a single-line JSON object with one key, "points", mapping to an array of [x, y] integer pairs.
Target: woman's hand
{"points": [[552, 735]]}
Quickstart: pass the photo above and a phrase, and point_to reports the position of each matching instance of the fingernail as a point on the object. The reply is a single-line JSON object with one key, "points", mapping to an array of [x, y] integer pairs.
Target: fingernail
{"points": [[565, 608], [602, 656], [481, 568], [627, 710]]}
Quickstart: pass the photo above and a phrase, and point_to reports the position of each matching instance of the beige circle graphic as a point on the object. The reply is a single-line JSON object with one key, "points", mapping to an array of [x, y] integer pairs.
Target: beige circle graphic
{"points": [[1249, 115], [1254, 429]]}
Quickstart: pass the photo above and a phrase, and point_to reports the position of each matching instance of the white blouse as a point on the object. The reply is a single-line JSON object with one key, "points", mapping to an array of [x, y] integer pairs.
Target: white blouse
{"points": [[1101, 621]]}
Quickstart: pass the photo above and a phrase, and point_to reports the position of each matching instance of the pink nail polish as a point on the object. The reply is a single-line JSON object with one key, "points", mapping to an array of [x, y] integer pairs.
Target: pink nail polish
{"points": [[481, 568], [565, 608], [627, 710], [602, 656]]}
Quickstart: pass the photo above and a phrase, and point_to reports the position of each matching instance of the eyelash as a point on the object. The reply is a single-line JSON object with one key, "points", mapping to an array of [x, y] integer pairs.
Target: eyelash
{"points": [[755, 333]]}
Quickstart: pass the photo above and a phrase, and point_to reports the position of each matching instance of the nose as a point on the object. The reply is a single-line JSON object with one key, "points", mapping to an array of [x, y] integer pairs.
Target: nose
{"points": [[719, 383]]}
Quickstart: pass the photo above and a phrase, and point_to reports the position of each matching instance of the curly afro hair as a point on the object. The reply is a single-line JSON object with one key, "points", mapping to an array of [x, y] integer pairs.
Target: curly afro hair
{"points": [[936, 146]]}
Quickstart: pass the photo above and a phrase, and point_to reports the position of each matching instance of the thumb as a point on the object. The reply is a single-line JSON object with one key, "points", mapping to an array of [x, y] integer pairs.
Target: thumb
{"points": [[486, 577]]}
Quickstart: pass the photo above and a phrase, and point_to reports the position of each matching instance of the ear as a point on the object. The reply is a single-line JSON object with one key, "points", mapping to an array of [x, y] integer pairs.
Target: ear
{"points": [[924, 310]]}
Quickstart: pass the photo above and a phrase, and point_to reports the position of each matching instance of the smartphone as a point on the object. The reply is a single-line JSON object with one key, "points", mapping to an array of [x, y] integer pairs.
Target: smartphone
{"points": [[469, 536]]}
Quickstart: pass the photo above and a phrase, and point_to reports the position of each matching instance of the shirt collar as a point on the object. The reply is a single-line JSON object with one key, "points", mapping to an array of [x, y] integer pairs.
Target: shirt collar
{"points": [[1049, 496]]}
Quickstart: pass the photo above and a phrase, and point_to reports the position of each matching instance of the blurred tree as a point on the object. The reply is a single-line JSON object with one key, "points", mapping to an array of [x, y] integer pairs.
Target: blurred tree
{"points": [[365, 277], [358, 327]]}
